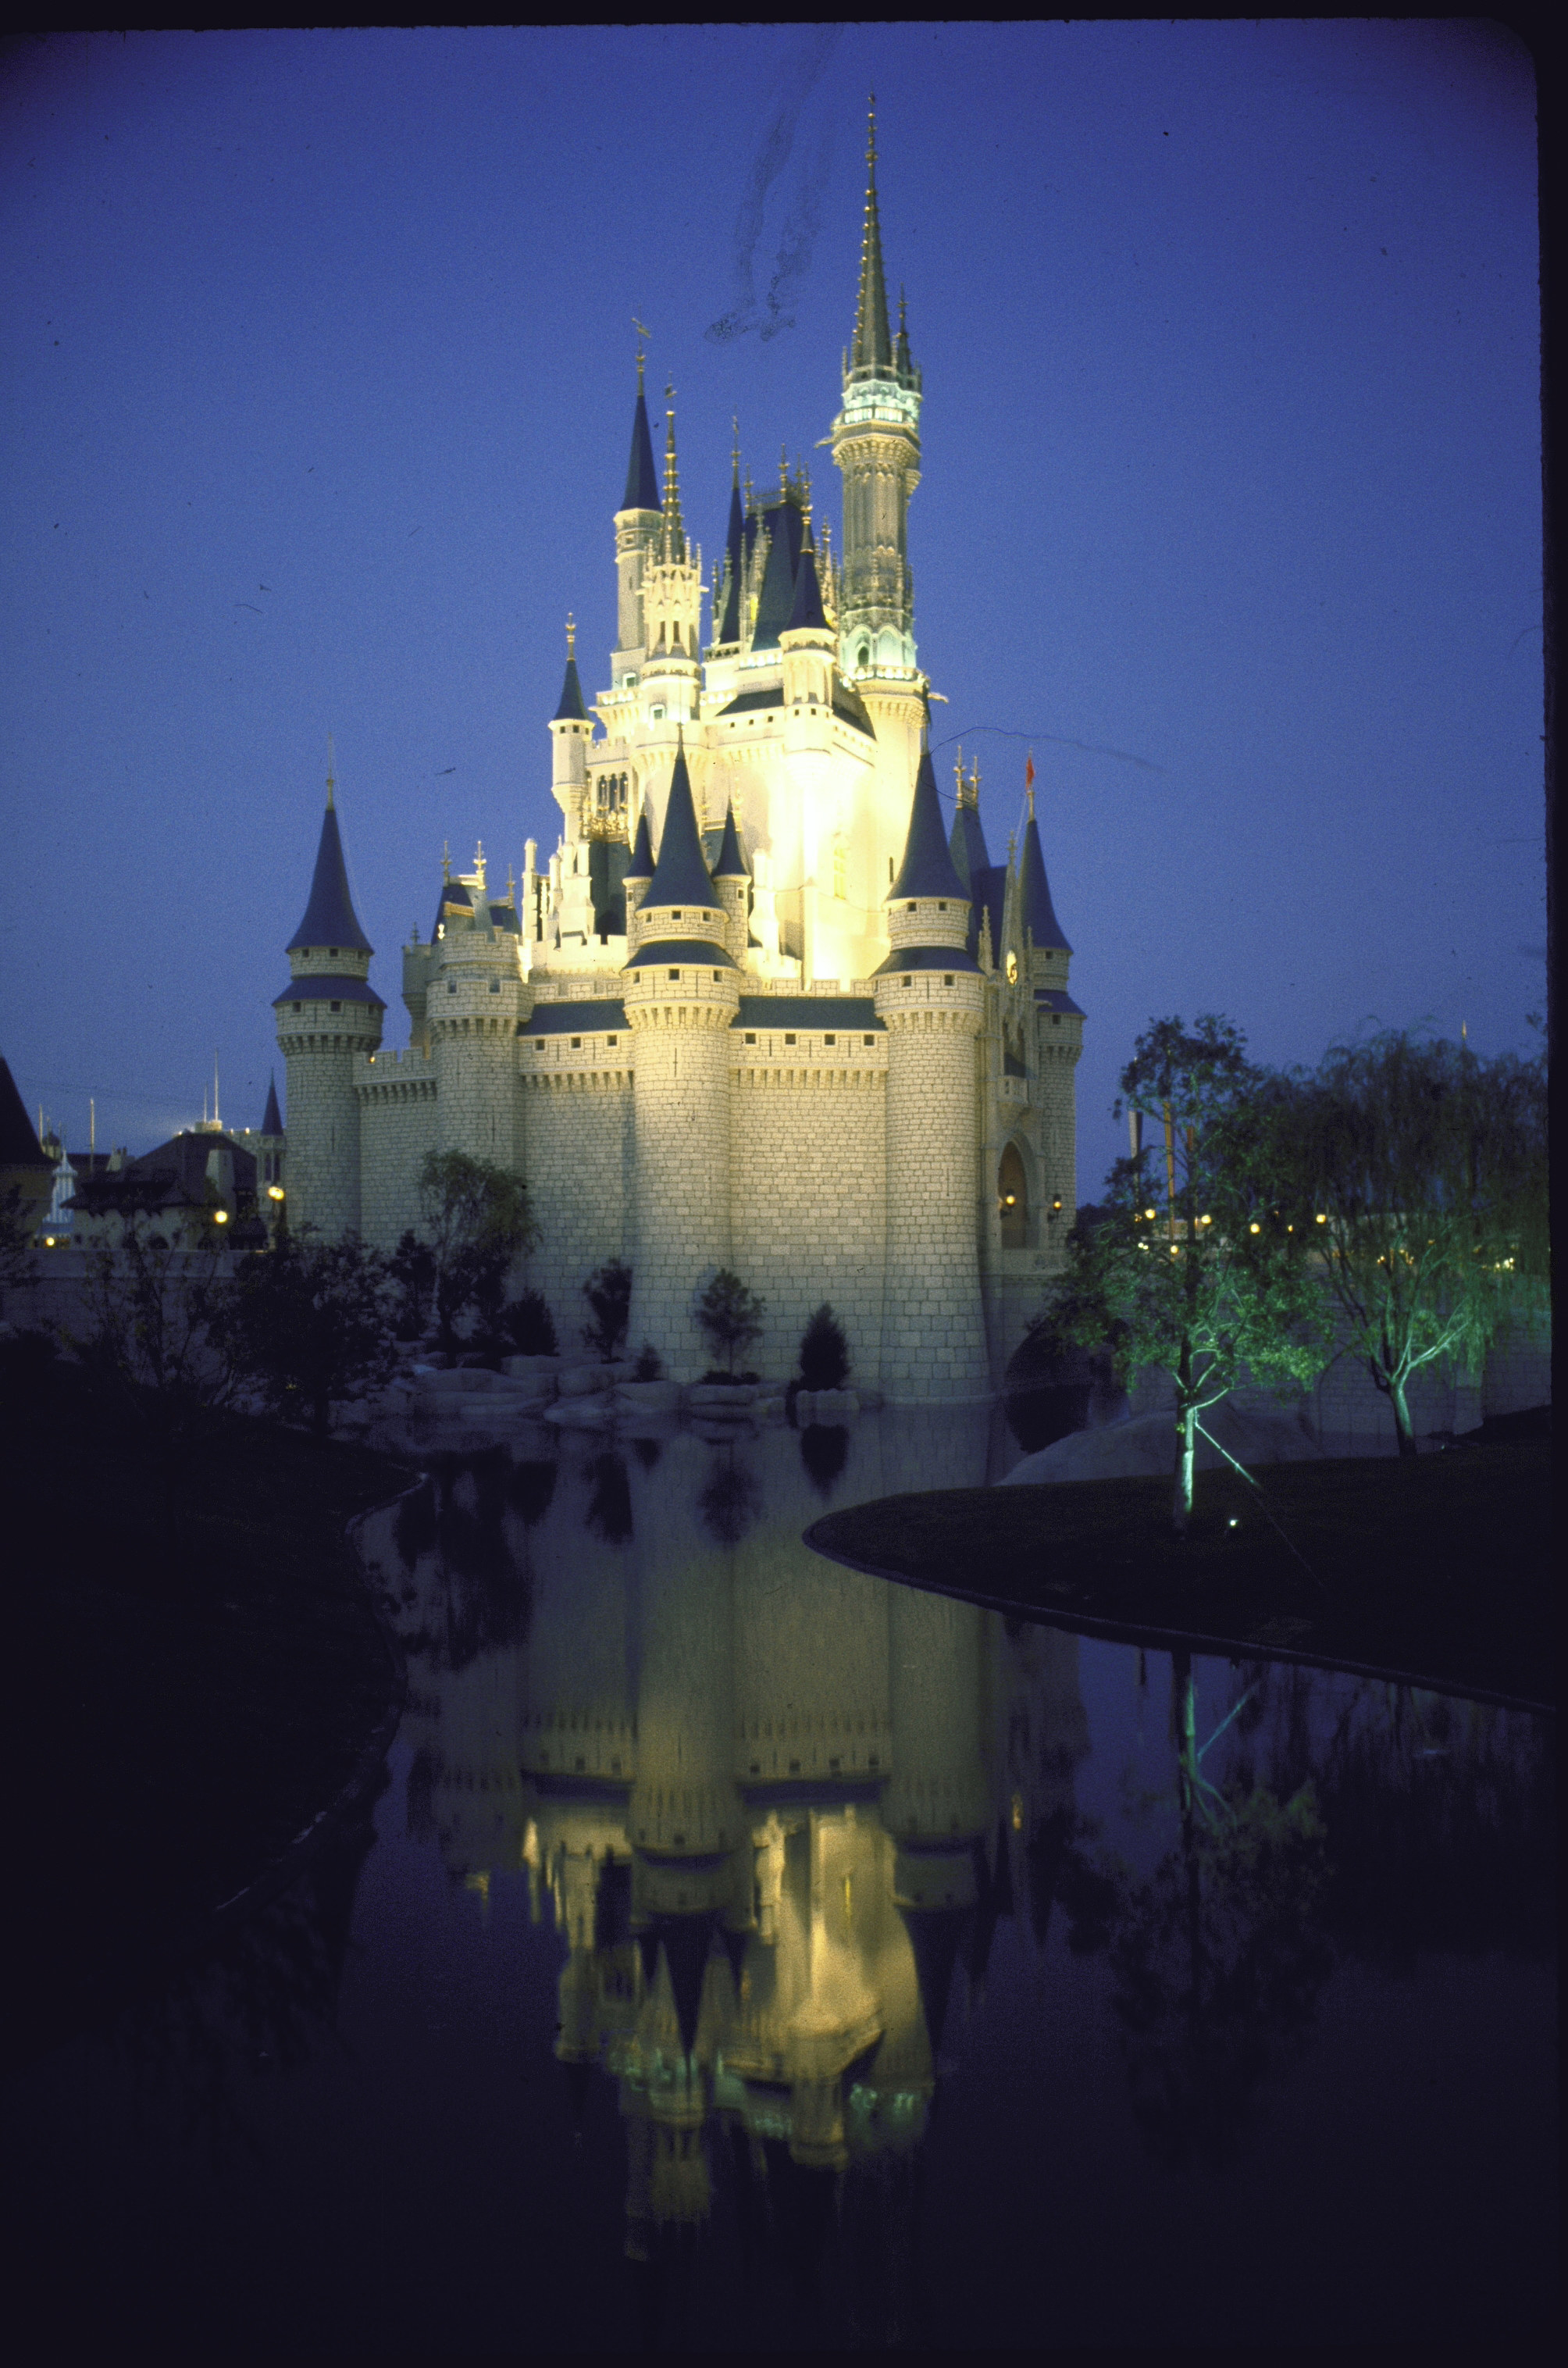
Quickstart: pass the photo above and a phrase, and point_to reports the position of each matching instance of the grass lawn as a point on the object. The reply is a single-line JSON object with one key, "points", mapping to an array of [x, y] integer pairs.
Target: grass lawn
{"points": [[179, 1713], [1439, 1569]]}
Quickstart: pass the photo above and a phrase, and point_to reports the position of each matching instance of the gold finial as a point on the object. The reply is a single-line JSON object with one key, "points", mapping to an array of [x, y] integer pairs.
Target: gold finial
{"points": [[641, 332], [872, 131], [331, 773], [736, 447], [958, 772], [571, 635], [783, 470]]}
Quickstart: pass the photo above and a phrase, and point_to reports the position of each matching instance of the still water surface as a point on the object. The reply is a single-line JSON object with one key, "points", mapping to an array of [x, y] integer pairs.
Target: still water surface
{"points": [[744, 1953]]}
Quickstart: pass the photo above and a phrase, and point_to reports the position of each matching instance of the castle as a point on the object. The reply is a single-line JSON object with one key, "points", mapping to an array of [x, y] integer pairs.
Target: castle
{"points": [[761, 1010]]}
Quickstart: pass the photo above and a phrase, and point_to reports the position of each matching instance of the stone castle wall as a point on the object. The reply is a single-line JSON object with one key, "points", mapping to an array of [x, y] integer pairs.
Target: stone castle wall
{"points": [[576, 1159], [396, 1094]]}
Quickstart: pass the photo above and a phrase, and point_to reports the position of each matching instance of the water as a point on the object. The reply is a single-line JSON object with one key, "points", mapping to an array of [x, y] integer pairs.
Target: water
{"points": [[995, 2041]]}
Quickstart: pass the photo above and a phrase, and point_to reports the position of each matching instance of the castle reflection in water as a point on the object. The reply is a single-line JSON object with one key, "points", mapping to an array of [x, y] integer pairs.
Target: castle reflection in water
{"points": [[773, 1805]]}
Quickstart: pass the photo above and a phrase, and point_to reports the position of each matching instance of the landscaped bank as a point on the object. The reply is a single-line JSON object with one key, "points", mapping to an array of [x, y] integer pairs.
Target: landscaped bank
{"points": [[1438, 1570], [183, 1705]]}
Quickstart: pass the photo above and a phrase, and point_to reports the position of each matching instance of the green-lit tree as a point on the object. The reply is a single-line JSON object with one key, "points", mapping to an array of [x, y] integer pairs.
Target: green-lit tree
{"points": [[477, 1221], [1420, 1169], [1189, 1267]]}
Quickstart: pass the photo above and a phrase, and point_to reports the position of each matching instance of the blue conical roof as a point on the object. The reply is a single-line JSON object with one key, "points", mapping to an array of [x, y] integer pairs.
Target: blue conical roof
{"points": [[927, 869], [735, 560], [807, 609], [971, 857], [641, 478], [1039, 914], [730, 864], [329, 916], [571, 710], [680, 876], [272, 1117], [641, 864], [776, 599]]}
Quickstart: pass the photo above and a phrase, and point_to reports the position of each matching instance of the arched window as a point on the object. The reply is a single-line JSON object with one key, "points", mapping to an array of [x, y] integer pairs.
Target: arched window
{"points": [[1013, 1199], [863, 655]]}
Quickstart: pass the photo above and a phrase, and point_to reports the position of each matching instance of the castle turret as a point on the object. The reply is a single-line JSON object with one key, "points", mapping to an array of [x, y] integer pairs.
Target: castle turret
{"points": [[475, 999], [808, 642], [930, 996], [876, 443], [327, 1016], [571, 731], [734, 883], [682, 996], [637, 526], [640, 869], [672, 606], [1059, 1033], [727, 595]]}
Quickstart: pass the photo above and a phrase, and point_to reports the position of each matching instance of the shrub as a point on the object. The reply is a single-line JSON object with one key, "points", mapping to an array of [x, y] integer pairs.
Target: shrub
{"points": [[825, 1352], [730, 1315], [529, 1325], [608, 1293], [650, 1364]]}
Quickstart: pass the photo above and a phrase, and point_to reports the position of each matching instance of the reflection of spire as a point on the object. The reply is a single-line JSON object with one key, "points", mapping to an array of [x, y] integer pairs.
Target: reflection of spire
{"points": [[933, 1935]]}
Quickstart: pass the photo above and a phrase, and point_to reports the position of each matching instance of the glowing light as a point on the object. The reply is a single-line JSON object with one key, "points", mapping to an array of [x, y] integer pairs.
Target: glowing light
{"points": [[220, 1216], [275, 1191], [1322, 1219], [1255, 1227], [1175, 1250], [1233, 1523], [1149, 1214]]}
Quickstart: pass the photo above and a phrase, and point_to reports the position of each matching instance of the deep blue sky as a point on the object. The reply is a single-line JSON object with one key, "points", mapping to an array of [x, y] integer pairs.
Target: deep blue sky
{"points": [[317, 374]]}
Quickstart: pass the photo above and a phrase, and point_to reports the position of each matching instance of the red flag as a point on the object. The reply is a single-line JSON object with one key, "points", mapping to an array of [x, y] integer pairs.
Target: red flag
{"points": [[1029, 772]]}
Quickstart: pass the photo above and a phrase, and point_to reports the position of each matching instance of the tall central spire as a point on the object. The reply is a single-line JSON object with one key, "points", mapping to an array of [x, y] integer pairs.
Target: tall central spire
{"points": [[675, 530], [873, 350]]}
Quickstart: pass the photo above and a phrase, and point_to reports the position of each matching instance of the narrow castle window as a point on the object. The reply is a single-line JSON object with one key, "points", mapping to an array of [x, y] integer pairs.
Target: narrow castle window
{"points": [[947, 978], [576, 1043], [751, 1036], [830, 1040], [335, 1006], [868, 1039], [674, 973], [789, 1039]]}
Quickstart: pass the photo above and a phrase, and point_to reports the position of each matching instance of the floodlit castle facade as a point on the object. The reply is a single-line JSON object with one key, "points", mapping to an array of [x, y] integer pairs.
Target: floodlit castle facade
{"points": [[763, 1009]]}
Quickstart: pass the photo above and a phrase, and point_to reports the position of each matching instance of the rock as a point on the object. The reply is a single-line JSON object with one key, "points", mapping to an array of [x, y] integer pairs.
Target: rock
{"points": [[648, 1397], [531, 1368], [464, 1381], [581, 1381], [722, 1398], [592, 1413], [1145, 1445]]}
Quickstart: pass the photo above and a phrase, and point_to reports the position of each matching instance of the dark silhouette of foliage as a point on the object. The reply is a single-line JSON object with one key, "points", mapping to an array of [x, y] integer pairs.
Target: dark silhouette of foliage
{"points": [[824, 1448], [647, 1452], [825, 1352], [531, 1490], [650, 1364], [411, 1266], [731, 1501], [309, 1321], [610, 1507], [608, 1293], [529, 1325], [730, 1315]]}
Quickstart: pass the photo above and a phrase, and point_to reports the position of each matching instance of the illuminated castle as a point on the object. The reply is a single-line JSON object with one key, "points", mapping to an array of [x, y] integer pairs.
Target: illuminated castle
{"points": [[762, 1009]]}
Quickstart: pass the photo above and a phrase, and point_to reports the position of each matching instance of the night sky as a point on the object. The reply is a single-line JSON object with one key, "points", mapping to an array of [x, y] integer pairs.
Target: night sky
{"points": [[318, 367]]}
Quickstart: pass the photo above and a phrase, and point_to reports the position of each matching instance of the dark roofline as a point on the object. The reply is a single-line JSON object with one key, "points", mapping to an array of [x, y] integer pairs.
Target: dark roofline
{"points": [[695, 953], [925, 958], [330, 918], [329, 990]]}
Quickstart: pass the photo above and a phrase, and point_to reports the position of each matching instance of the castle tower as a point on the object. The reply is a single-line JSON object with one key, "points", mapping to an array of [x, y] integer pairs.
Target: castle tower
{"points": [[727, 590], [570, 730], [474, 1003], [672, 607], [929, 997], [876, 444], [327, 1016], [682, 997], [734, 883], [637, 525], [1059, 1026]]}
